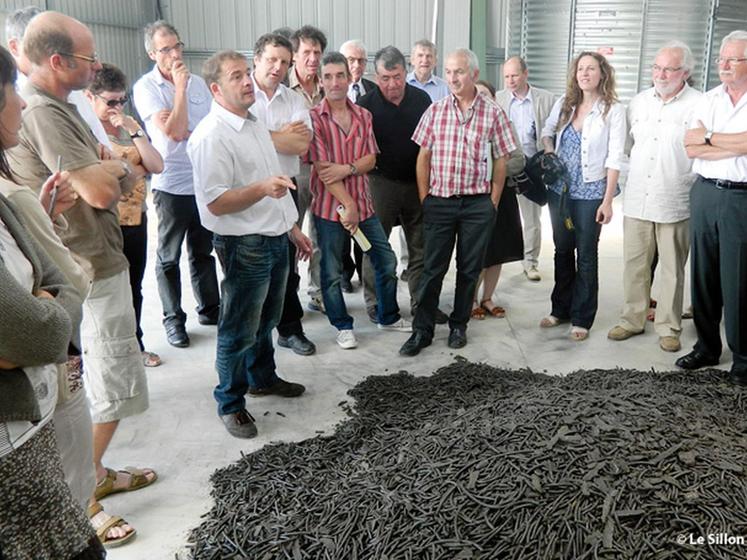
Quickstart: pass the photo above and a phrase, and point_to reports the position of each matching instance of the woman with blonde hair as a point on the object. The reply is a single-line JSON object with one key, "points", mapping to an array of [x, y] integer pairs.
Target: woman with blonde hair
{"points": [[589, 129]]}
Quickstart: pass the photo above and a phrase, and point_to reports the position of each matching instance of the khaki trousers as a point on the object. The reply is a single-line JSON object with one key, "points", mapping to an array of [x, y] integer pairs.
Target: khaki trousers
{"points": [[641, 239]]}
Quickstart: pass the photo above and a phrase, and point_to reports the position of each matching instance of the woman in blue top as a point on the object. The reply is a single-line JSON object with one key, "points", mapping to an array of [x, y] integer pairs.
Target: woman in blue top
{"points": [[588, 126]]}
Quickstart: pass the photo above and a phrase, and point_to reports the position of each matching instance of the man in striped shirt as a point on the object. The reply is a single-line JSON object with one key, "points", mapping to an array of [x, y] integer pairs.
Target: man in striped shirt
{"points": [[464, 142], [343, 151]]}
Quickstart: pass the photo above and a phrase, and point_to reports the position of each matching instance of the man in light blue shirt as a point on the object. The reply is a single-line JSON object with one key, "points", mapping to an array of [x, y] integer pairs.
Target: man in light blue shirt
{"points": [[171, 102], [423, 62]]}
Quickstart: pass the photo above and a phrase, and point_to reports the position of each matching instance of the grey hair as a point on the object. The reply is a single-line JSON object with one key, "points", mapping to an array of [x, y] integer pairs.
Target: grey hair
{"points": [[520, 60], [389, 57], [151, 29], [17, 21], [354, 44], [471, 57], [738, 35], [688, 62], [426, 44]]}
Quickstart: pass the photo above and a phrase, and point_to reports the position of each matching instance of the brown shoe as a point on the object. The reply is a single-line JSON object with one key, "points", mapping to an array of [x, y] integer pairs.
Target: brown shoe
{"points": [[670, 343], [621, 333], [240, 424]]}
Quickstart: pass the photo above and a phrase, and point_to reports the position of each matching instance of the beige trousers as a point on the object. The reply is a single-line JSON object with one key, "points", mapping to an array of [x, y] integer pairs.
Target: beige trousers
{"points": [[641, 239]]}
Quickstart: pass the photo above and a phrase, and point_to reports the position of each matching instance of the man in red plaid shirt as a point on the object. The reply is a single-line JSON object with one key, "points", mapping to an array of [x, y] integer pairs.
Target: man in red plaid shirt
{"points": [[464, 141], [343, 151]]}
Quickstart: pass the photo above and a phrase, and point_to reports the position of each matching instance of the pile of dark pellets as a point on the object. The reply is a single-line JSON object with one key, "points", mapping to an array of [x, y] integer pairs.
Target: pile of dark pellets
{"points": [[478, 462]]}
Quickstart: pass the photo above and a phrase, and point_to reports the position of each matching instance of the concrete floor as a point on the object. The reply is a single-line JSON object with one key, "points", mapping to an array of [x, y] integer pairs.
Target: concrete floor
{"points": [[181, 437]]}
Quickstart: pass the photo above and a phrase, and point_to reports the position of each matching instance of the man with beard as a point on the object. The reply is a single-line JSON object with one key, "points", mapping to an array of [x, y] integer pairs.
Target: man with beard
{"points": [[656, 199]]}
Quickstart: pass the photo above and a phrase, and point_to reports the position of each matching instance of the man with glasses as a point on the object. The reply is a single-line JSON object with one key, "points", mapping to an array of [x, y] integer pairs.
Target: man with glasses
{"points": [[62, 55], [656, 199], [171, 102], [718, 143]]}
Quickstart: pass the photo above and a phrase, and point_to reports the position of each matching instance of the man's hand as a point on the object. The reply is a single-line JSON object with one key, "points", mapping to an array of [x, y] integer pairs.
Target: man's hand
{"points": [[276, 187], [5, 364], [695, 136], [180, 74], [43, 294], [350, 219], [331, 173], [302, 243], [66, 197], [162, 116], [295, 127], [105, 153]]}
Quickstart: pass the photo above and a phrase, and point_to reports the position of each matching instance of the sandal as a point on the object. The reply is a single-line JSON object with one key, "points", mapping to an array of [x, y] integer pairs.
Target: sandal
{"points": [[477, 313], [151, 359], [112, 522], [579, 333], [495, 311], [550, 321], [138, 479]]}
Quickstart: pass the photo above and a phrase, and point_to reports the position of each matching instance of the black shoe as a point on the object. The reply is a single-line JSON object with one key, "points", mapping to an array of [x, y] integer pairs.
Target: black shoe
{"points": [[346, 285], [696, 360], [415, 344], [405, 275], [208, 319], [240, 424], [457, 338], [373, 314], [441, 317], [281, 388], [177, 336], [738, 376], [298, 343]]}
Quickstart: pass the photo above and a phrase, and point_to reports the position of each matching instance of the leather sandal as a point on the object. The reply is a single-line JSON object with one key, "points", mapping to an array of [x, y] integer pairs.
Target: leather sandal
{"points": [[112, 522], [495, 311], [550, 321], [138, 479], [478, 313], [579, 333]]}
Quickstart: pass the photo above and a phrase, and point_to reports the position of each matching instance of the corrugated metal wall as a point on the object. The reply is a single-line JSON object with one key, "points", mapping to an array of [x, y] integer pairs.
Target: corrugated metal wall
{"points": [[116, 25], [549, 33], [236, 24]]}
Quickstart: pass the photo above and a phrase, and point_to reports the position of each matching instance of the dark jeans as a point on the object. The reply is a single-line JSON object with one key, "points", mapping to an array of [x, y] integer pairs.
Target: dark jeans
{"points": [[718, 230], [178, 218], [466, 221], [136, 250], [332, 236], [290, 320], [255, 270], [575, 294], [397, 202]]}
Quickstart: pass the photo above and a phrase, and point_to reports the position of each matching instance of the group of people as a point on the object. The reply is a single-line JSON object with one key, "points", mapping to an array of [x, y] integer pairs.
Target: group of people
{"points": [[240, 155]]}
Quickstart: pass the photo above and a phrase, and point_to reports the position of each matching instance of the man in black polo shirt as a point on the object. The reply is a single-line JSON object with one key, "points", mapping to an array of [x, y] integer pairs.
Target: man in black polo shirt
{"points": [[396, 108]]}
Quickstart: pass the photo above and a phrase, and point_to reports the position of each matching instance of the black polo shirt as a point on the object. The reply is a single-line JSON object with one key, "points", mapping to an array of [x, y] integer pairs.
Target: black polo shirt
{"points": [[393, 126]]}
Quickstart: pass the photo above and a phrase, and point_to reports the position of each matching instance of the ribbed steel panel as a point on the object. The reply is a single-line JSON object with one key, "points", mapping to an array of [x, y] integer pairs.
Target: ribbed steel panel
{"points": [[545, 31]]}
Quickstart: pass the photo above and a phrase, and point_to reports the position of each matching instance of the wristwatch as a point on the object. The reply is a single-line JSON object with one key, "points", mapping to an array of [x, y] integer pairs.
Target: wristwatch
{"points": [[353, 169], [707, 137], [138, 134]]}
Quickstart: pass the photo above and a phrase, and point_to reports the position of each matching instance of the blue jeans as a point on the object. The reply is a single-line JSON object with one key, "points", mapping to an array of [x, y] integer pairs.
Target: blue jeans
{"points": [[255, 270], [331, 237], [575, 294]]}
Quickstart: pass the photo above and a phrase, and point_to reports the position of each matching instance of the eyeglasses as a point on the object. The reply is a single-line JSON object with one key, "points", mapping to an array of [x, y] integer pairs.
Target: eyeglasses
{"points": [[92, 59], [111, 103], [167, 50], [732, 61], [665, 69]]}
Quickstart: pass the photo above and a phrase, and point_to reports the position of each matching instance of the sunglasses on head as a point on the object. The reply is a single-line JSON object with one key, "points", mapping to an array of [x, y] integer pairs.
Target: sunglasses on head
{"points": [[114, 102]]}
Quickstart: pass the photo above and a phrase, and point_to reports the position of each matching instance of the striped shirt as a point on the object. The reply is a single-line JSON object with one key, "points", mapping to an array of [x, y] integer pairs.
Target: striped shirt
{"points": [[460, 145], [330, 143]]}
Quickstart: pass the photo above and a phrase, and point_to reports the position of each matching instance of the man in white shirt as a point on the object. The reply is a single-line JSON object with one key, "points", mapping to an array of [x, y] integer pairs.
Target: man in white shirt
{"points": [[244, 199], [656, 200], [718, 209], [171, 101], [285, 114], [528, 108], [423, 62]]}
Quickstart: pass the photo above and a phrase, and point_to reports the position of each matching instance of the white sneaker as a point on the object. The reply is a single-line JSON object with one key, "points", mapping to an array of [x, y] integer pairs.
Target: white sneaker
{"points": [[346, 339], [533, 274], [403, 325]]}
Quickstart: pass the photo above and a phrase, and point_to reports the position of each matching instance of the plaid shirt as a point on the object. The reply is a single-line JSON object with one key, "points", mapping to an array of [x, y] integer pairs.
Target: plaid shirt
{"points": [[330, 143], [461, 162]]}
